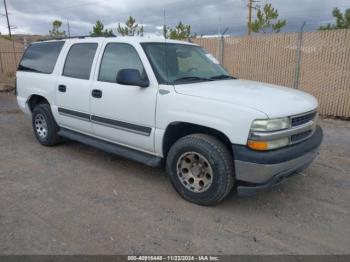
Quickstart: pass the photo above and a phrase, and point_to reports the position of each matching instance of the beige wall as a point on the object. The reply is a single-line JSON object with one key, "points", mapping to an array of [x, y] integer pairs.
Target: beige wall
{"points": [[324, 63]]}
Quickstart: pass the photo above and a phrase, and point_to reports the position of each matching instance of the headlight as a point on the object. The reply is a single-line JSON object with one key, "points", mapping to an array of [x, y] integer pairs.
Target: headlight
{"points": [[271, 124], [265, 126]]}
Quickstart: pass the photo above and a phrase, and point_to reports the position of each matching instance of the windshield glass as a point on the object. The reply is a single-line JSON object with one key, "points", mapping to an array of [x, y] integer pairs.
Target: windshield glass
{"points": [[181, 63]]}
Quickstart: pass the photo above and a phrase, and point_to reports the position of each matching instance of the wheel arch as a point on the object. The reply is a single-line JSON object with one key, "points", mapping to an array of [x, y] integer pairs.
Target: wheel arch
{"points": [[177, 130], [35, 100]]}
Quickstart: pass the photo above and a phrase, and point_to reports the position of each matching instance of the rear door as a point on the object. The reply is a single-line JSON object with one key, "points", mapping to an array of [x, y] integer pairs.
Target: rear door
{"points": [[73, 87]]}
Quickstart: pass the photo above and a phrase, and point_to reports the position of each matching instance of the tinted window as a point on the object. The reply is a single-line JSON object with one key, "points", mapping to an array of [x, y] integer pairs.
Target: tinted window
{"points": [[41, 57], [79, 60], [117, 57]]}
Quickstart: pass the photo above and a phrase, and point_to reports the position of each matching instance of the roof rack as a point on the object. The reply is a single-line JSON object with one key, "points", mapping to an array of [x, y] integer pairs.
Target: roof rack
{"points": [[73, 37]]}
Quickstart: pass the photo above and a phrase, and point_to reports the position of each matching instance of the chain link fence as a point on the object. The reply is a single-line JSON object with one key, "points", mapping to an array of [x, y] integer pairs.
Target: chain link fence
{"points": [[10, 54], [315, 62]]}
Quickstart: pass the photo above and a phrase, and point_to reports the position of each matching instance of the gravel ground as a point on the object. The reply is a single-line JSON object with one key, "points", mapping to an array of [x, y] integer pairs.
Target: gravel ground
{"points": [[73, 199]]}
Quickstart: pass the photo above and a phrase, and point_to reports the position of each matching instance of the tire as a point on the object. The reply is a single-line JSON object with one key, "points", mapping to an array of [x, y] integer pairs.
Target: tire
{"points": [[44, 126], [185, 175]]}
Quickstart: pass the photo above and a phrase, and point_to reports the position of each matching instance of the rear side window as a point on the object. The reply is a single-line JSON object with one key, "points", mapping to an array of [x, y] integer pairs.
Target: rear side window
{"points": [[41, 57], [79, 60]]}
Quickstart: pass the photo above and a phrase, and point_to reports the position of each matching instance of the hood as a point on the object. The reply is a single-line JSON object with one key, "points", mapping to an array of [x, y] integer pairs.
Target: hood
{"points": [[273, 100]]}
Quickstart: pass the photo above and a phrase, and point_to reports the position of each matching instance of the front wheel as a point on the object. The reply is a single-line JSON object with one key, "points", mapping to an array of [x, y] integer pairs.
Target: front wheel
{"points": [[200, 168]]}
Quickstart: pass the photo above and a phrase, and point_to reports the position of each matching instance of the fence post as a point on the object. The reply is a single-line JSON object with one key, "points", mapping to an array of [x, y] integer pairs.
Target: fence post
{"points": [[298, 58], [222, 46], [1, 64], [221, 49]]}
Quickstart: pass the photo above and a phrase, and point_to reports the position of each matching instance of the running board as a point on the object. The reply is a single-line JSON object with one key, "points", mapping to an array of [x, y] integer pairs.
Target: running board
{"points": [[112, 148]]}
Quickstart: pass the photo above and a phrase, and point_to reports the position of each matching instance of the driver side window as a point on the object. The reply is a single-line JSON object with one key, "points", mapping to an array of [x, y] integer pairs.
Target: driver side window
{"points": [[119, 56]]}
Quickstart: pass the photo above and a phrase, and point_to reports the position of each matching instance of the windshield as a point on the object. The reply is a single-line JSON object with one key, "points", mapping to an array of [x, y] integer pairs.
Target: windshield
{"points": [[181, 63]]}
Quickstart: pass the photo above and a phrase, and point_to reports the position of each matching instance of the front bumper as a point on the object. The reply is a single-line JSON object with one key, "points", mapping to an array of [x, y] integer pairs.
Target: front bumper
{"points": [[257, 171]]}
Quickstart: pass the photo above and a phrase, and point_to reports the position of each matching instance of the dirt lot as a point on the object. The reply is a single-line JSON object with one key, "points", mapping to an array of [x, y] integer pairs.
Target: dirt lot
{"points": [[73, 199]]}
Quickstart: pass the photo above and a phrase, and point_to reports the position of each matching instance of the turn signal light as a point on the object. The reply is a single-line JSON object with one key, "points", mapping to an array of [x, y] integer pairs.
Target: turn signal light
{"points": [[258, 145], [268, 145]]}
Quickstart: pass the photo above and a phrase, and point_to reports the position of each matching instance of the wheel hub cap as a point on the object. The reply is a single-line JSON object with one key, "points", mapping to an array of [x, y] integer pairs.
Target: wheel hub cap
{"points": [[40, 126], [194, 172]]}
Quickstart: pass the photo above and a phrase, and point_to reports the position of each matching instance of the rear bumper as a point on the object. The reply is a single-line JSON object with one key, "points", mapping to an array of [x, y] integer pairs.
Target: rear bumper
{"points": [[23, 105], [258, 171]]}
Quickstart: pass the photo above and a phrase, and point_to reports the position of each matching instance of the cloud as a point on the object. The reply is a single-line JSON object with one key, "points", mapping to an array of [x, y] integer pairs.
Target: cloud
{"points": [[205, 16]]}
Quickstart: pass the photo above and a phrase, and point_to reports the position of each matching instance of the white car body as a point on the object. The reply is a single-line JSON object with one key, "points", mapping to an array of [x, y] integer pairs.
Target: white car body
{"points": [[228, 106]]}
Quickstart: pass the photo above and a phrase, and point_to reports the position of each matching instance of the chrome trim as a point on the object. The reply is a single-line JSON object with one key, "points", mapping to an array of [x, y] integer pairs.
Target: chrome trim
{"points": [[262, 173]]}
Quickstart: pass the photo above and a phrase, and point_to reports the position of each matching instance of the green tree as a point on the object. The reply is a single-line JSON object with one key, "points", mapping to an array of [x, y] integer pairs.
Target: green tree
{"points": [[266, 20], [180, 32], [55, 32], [98, 30], [141, 31], [131, 28], [342, 20]]}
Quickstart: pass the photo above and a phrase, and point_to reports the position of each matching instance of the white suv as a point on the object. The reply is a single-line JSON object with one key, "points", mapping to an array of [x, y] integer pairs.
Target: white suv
{"points": [[162, 102]]}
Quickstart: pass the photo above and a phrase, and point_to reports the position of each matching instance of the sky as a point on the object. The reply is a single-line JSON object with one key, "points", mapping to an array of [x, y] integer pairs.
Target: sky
{"points": [[207, 17]]}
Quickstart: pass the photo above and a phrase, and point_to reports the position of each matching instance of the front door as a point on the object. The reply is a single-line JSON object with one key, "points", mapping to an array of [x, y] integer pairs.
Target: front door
{"points": [[123, 114]]}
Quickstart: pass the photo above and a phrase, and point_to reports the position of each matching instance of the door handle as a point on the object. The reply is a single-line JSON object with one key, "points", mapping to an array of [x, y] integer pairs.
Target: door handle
{"points": [[62, 88], [96, 93]]}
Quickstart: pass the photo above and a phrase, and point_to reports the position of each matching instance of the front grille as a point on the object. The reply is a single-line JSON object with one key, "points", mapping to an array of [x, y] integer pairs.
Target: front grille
{"points": [[301, 136], [303, 119]]}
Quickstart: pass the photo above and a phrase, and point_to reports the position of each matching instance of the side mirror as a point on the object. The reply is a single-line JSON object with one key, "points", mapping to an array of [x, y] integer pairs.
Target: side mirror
{"points": [[131, 77]]}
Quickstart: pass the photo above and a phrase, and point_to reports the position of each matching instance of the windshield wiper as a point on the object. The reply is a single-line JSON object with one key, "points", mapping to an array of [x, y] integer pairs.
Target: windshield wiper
{"points": [[192, 78], [218, 77]]}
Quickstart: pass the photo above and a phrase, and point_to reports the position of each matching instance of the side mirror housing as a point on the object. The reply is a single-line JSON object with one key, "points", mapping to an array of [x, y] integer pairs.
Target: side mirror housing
{"points": [[131, 77]]}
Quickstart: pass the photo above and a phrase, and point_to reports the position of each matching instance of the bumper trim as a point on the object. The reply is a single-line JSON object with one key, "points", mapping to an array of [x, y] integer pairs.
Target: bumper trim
{"points": [[257, 171], [261, 173], [248, 190]]}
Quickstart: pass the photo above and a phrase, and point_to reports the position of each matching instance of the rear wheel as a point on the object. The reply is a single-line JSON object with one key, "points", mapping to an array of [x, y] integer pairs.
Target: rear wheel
{"points": [[200, 168], [44, 125]]}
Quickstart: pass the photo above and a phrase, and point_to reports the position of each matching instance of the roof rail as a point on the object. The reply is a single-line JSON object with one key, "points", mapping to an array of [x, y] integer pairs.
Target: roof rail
{"points": [[72, 37]]}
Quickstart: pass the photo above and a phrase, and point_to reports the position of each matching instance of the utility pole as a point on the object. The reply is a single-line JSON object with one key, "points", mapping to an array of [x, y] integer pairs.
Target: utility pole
{"points": [[7, 18], [250, 10], [10, 34]]}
